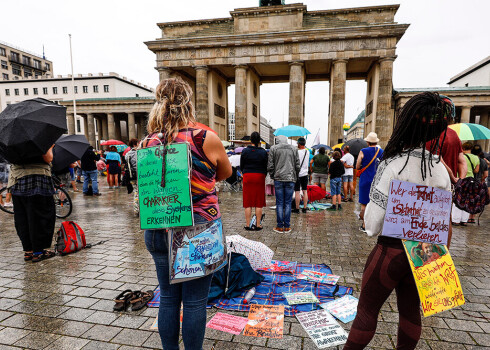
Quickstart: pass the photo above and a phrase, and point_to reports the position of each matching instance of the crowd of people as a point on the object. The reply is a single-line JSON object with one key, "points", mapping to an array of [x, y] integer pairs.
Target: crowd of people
{"points": [[422, 149]]}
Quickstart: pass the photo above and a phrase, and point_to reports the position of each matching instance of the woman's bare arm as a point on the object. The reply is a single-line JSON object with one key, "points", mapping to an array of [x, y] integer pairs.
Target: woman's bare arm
{"points": [[48, 156]]}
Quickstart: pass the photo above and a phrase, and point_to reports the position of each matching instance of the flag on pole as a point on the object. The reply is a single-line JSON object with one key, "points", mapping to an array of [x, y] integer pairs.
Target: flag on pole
{"points": [[316, 141]]}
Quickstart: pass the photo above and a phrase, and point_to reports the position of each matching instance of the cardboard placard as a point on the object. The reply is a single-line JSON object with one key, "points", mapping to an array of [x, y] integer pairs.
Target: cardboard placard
{"points": [[322, 328], [227, 323], [316, 276], [417, 213], [196, 251], [265, 321], [301, 298], [435, 276], [343, 309], [171, 205]]}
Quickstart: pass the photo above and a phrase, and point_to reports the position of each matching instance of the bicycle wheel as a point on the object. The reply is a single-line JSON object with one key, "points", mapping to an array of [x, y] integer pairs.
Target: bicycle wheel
{"points": [[62, 202], [7, 209]]}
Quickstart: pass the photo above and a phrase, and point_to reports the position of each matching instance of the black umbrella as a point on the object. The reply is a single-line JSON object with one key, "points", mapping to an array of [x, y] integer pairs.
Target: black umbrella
{"points": [[68, 149], [355, 146], [29, 128]]}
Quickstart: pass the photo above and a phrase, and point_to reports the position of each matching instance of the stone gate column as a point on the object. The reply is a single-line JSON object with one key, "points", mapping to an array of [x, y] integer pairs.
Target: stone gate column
{"points": [[465, 114], [296, 93], [131, 126], [70, 122], [202, 103], [85, 125], [165, 73], [384, 113], [142, 126], [104, 128], [111, 132], [338, 75], [240, 101], [91, 130]]}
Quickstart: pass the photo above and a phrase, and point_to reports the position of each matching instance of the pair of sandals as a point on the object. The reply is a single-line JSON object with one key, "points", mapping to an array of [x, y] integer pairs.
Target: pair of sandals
{"points": [[137, 300], [46, 254], [255, 227]]}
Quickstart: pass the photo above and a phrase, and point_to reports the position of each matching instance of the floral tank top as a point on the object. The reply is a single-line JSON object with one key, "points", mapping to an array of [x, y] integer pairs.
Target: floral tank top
{"points": [[203, 176]]}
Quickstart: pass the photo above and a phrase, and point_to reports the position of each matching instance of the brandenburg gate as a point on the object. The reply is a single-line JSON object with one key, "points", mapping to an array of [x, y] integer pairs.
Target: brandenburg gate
{"points": [[284, 43]]}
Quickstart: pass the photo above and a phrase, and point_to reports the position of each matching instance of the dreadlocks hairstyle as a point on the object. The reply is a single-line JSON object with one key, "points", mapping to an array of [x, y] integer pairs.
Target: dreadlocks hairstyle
{"points": [[423, 118], [172, 110]]}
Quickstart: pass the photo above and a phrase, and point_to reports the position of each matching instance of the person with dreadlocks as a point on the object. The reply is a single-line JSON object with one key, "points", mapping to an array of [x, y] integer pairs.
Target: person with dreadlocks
{"points": [[172, 120], [406, 158]]}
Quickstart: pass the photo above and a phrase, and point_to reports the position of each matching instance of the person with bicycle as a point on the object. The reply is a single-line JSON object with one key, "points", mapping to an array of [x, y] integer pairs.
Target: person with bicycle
{"points": [[32, 192]]}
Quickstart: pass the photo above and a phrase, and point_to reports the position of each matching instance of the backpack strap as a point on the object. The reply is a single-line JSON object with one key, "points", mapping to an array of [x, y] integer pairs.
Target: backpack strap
{"points": [[472, 167], [371, 162]]}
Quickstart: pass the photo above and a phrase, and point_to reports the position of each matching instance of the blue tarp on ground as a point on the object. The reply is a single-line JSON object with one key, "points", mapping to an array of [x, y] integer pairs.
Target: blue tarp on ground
{"points": [[269, 292]]}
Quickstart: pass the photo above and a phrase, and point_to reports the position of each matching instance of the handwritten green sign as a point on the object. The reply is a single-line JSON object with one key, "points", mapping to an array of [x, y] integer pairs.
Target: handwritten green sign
{"points": [[169, 205]]}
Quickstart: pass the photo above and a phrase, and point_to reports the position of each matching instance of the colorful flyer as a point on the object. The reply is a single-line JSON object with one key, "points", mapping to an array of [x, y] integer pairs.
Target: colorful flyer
{"points": [[281, 266], [165, 201], [343, 309], [435, 276], [322, 328], [227, 323], [417, 213], [301, 298], [316, 276], [265, 321]]}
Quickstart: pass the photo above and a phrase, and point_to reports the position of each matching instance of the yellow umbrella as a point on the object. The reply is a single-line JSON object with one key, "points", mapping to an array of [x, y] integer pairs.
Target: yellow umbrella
{"points": [[339, 145]]}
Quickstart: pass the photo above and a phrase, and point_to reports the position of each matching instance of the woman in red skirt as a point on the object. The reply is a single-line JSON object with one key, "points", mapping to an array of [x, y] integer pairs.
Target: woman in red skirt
{"points": [[253, 164]]}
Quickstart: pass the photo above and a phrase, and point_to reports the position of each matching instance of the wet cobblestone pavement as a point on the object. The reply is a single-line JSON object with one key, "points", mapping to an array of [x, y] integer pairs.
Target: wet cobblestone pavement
{"points": [[66, 302]]}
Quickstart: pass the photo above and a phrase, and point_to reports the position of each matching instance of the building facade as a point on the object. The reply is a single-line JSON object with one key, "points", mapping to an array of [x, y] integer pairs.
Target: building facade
{"points": [[127, 102], [284, 43], [17, 63], [356, 128], [476, 75], [266, 131]]}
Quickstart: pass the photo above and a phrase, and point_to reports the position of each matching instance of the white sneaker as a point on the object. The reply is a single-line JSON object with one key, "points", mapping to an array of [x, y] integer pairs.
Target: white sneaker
{"points": [[8, 205]]}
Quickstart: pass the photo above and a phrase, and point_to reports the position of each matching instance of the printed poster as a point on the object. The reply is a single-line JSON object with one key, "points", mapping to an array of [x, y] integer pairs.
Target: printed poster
{"points": [[196, 251], [417, 213], [265, 321], [343, 309], [301, 298], [322, 328], [281, 266], [227, 323], [316, 276], [435, 276], [168, 203]]}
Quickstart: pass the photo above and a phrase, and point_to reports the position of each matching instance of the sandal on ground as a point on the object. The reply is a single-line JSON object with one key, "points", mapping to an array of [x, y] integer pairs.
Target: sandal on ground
{"points": [[140, 299], [257, 228], [247, 228], [455, 223], [471, 221], [28, 256], [46, 254], [122, 300]]}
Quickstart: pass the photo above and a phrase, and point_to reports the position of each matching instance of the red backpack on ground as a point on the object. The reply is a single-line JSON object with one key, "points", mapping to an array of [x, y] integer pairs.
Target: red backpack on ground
{"points": [[70, 238]]}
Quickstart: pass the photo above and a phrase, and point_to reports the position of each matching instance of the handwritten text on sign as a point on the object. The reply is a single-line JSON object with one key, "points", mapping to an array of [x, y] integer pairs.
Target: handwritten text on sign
{"points": [[435, 276], [265, 321], [417, 213], [322, 328], [169, 206]]}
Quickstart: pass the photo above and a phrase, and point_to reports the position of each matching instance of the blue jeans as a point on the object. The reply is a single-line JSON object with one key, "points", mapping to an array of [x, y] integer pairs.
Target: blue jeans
{"points": [[192, 294], [92, 175], [284, 197], [335, 185]]}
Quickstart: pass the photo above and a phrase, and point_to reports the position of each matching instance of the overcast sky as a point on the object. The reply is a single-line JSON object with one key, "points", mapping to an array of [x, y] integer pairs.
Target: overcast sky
{"points": [[444, 38]]}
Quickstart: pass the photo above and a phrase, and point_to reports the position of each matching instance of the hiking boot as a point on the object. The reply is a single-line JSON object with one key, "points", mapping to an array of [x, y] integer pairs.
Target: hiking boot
{"points": [[339, 207], [98, 194], [332, 208], [278, 229]]}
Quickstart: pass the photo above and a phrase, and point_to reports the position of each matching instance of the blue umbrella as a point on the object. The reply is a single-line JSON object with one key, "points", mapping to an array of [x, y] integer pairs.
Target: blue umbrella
{"points": [[327, 148], [292, 130]]}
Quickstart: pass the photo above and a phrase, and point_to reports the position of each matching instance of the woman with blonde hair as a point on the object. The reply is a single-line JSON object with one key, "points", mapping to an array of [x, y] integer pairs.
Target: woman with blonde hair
{"points": [[172, 119]]}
